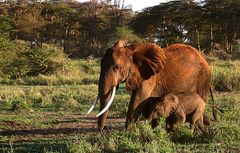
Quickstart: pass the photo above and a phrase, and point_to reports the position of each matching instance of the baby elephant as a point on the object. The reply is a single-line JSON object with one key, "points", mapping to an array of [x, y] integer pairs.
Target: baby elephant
{"points": [[178, 109]]}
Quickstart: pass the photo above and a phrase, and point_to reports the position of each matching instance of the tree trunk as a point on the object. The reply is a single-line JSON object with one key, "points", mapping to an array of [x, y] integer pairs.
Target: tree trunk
{"points": [[211, 38], [198, 39]]}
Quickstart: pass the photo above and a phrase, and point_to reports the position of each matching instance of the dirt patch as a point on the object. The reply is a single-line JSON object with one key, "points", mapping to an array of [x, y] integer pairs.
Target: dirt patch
{"points": [[66, 126], [13, 125]]}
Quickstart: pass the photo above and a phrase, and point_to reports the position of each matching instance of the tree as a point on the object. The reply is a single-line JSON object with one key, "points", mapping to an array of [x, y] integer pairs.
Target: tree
{"points": [[124, 33], [224, 18], [165, 23], [200, 24], [6, 25]]}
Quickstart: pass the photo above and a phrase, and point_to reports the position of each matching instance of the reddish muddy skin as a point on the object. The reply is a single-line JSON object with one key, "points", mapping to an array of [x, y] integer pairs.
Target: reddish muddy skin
{"points": [[176, 108], [149, 70]]}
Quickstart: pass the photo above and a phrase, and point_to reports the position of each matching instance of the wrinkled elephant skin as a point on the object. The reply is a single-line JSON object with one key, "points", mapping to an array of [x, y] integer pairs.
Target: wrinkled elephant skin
{"points": [[149, 70]]}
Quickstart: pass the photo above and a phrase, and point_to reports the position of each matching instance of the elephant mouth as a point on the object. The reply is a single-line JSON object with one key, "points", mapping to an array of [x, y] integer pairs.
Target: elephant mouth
{"points": [[123, 80], [108, 103]]}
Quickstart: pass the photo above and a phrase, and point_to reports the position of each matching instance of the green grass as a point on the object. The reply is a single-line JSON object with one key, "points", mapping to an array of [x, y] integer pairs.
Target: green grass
{"points": [[226, 75], [42, 97], [74, 72], [47, 108], [140, 139]]}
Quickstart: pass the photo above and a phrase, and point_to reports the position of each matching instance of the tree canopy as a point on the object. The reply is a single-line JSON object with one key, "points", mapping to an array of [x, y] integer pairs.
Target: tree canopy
{"points": [[87, 28]]}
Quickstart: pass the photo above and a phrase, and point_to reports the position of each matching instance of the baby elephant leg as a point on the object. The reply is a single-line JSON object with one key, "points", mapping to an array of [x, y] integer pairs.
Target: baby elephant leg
{"points": [[180, 118], [196, 117], [201, 124], [154, 123], [169, 121]]}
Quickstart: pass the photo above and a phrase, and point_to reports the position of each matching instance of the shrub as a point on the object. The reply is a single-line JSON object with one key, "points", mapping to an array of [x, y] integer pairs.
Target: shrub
{"points": [[7, 54], [33, 62], [18, 60], [226, 76]]}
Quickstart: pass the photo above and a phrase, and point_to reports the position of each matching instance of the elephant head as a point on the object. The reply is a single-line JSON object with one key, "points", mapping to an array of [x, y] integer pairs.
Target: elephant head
{"points": [[131, 64], [164, 107]]}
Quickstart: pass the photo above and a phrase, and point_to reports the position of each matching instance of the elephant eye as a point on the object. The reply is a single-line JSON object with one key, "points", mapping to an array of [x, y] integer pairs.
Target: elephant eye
{"points": [[116, 67]]}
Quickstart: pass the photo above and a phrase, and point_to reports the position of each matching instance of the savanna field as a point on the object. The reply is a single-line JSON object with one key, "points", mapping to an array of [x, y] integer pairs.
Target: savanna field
{"points": [[50, 53], [47, 114]]}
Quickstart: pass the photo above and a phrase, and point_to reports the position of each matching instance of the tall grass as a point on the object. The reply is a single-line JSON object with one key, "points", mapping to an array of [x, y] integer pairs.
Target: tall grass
{"points": [[140, 139], [226, 75], [73, 88], [73, 72], [47, 97]]}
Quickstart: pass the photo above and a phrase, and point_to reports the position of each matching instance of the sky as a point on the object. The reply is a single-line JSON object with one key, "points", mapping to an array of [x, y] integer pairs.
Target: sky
{"points": [[138, 5]]}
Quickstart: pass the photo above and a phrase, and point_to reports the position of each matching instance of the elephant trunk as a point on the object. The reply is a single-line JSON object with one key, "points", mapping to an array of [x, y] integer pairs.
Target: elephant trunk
{"points": [[108, 103], [106, 91]]}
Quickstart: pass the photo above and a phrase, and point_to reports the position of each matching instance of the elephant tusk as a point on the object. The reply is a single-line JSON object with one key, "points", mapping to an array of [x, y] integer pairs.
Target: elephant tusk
{"points": [[109, 103], [93, 104]]}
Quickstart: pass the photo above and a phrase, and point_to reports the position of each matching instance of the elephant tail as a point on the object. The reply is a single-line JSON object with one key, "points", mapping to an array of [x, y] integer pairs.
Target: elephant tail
{"points": [[213, 105]]}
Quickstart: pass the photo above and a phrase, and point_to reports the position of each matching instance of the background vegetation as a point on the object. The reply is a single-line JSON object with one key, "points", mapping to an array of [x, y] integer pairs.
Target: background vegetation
{"points": [[46, 113], [49, 76], [87, 28]]}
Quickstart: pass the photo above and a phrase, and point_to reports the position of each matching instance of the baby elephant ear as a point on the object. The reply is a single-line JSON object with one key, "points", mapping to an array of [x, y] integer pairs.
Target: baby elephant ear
{"points": [[170, 103], [173, 98]]}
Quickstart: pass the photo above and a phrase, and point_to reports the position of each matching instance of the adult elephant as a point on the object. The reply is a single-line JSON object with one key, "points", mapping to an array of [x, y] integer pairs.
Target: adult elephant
{"points": [[150, 71]]}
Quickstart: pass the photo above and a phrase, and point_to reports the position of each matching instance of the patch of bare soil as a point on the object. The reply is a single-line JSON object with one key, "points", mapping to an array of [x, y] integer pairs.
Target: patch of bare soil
{"points": [[69, 126]]}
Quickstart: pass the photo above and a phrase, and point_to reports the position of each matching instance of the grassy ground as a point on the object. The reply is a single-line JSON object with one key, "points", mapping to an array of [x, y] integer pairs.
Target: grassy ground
{"points": [[46, 114]]}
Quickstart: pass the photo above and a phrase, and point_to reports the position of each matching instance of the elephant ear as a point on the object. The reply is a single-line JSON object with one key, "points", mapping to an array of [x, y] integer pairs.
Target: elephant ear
{"points": [[170, 103], [134, 78], [149, 58]]}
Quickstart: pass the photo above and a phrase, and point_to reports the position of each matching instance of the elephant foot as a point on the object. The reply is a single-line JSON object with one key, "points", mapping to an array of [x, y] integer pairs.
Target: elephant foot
{"points": [[105, 128], [129, 127], [126, 126]]}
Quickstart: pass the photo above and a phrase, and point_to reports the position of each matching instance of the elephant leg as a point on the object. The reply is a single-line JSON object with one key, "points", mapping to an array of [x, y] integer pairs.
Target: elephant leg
{"points": [[201, 125], [172, 127], [168, 124], [131, 114], [180, 118], [154, 123], [137, 97], [192, 122], [203, 89], [171, 123], [196, 116], [102, 121]]}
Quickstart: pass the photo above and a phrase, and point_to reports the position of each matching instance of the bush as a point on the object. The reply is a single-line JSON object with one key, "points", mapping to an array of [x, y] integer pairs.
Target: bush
{"points": [[226, 76], [33, 62], [7, 55], [18, 60]]}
